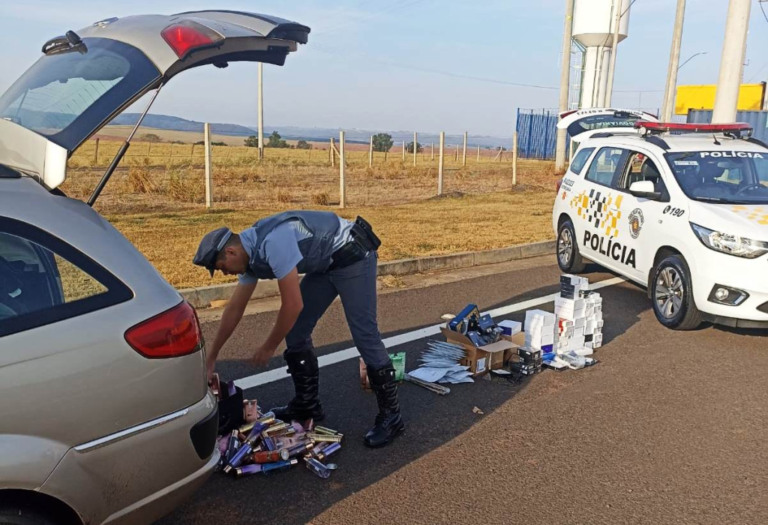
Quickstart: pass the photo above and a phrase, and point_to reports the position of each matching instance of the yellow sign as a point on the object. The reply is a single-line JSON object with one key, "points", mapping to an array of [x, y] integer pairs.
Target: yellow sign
{"points": [[703, 97]]}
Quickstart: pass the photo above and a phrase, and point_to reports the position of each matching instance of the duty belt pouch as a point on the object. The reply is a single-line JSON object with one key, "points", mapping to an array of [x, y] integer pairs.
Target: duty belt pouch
{"points": [[230, 408], [363, 234]]}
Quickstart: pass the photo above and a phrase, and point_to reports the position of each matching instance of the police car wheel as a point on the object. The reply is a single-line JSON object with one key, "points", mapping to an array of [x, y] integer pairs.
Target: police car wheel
{"points": [[672, 295], [568, 257]]}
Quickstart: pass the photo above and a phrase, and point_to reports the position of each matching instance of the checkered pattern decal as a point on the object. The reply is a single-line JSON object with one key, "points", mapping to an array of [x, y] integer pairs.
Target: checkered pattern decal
{"points": [[600, 210], [759, 214]]}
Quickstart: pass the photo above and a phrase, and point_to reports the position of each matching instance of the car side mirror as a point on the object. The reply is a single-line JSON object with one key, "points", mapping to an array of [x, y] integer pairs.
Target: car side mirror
{"points": [[644, 189]]}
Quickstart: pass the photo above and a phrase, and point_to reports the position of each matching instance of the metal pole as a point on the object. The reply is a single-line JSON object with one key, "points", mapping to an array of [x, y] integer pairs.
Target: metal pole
{"points": [[433, 151], [668, 103], [731, 62], [614, 50], [464, 155], [96, 154], [415, 149], [565, 79], [440, 164], [208, 184], [261, 110], [403, 151], [333, 151], [478, 153], [370, 154], [514, 158], [342, 187]]}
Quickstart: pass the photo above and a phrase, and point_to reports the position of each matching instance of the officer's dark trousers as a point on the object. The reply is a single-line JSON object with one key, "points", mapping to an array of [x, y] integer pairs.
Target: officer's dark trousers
{"points": [[356, 285]]}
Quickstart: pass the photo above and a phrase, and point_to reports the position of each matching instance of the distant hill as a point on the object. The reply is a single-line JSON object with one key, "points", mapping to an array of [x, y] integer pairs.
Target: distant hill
{"points": [[299, 133]]}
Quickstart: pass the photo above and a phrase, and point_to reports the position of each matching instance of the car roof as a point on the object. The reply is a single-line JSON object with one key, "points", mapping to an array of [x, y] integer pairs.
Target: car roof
{"points": [[682, 142]]}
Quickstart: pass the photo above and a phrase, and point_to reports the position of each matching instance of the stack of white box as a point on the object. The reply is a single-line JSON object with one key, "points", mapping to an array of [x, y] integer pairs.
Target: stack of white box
{"points": [[540, 330], [579, 316]]}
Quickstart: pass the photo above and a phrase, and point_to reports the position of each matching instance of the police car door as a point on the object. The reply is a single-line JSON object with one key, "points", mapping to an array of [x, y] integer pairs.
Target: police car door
{"points": [[598, 207], [640, 226]]}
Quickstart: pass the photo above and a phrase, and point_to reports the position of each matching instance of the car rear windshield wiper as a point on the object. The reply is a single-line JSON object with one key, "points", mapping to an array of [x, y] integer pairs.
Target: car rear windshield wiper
{"points": [[65, 44]]}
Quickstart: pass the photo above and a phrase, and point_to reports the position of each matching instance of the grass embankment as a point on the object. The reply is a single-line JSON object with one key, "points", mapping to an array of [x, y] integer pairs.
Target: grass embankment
{"points": [[156, 198]]}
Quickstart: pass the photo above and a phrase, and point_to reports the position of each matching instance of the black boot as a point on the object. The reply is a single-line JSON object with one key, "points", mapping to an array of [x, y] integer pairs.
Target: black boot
{"points": [[305, 373], [388, 424]]}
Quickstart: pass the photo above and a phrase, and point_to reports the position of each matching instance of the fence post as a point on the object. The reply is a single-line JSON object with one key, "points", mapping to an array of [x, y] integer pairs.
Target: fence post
{"points": [[96, 154], [440, 164], [370, 154], [331, 152], [343, 186], [433, 151], [208, 188], [464, 154], [403, 151], [514, 158], [478, 153], [415, 149]]}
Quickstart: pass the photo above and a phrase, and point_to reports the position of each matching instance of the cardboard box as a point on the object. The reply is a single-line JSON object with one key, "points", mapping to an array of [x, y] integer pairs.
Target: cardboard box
{"points": [[480, 359]]}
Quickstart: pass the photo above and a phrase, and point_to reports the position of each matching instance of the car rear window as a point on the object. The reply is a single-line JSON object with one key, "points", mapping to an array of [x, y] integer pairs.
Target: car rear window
{"points": [[580, 160], [66, 97], [44, 280]]}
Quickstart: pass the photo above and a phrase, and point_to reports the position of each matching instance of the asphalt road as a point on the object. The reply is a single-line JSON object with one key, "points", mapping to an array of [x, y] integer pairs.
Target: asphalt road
{"points": [[669, 427]]}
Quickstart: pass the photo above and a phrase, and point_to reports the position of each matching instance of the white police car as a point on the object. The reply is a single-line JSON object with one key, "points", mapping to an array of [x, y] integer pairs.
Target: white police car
{"points": [[679, 208]]}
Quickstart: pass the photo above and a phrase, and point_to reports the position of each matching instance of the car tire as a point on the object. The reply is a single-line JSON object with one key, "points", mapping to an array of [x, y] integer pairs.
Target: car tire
{"points": [[672, 295], [23, 515], [567, 249]]}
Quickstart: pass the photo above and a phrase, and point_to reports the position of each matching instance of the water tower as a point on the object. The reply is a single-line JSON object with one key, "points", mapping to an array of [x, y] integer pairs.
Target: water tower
{"points": [[593, 26]]}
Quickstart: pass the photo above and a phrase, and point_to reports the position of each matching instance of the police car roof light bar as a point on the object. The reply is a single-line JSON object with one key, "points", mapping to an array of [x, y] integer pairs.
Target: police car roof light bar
{"points": [[736, 128]]}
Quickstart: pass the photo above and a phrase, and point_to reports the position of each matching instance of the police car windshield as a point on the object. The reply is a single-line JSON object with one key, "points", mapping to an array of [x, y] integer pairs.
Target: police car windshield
{"points": [[728, 177]]}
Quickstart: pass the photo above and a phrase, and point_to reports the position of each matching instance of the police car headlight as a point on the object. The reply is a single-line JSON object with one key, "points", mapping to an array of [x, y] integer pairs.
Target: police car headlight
{"points": [[730, 244]]}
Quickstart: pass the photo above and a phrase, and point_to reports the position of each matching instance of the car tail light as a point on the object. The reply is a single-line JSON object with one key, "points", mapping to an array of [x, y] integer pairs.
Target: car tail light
{"points": [[173, 333], [186, 36]]}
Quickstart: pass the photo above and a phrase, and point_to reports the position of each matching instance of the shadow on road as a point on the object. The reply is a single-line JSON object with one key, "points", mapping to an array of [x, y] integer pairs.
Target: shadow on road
{"points": [[296, 496]]}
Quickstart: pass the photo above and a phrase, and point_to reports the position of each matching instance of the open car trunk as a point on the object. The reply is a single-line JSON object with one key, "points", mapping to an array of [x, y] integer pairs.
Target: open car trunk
{"points": [[88, 77]]}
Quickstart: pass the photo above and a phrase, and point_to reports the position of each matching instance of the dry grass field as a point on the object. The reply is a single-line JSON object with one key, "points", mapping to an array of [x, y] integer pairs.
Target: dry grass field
{"points": [[156, 197]]}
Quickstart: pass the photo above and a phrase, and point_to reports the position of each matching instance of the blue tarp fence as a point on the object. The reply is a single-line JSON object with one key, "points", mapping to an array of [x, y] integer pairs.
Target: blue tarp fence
{"points": [[757, 119], [536, 133]]}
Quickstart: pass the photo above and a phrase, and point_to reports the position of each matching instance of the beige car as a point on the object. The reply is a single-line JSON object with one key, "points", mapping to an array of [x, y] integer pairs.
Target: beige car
{"points": [[105, 415]]}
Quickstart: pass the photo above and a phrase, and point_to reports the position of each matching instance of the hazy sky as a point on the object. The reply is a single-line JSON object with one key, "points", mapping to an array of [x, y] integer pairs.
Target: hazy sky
{"points": [[422, 65]]}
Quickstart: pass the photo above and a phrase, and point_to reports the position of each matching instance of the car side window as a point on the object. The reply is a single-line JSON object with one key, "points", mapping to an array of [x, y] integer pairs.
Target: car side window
{"points": [[606, 165], [639, 168], [580, 160], [44, 280]]}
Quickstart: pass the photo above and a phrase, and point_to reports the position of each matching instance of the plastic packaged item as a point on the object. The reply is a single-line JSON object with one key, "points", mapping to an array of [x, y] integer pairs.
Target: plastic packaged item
{"points": [[317, 468], [398, 363]]}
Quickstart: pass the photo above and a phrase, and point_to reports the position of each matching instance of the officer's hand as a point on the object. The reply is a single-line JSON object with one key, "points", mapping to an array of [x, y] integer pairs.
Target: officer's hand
{"points": [[262, 356]]}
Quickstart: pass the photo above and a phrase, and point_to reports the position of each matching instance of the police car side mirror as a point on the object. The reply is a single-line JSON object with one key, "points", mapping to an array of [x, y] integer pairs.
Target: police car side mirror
{"points": [[644, 189]]}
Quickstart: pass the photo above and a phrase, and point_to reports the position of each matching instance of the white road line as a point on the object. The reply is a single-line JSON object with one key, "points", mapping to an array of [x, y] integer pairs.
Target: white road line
{"points": [[350, 353]]}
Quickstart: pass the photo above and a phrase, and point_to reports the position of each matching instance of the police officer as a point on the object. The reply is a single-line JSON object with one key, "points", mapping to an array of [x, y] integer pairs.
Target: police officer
{"points": [[337, 257]]}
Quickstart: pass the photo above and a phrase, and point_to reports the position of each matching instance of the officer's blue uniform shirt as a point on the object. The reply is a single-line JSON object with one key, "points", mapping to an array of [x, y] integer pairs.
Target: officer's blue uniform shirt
{"points": [[281, 246]]}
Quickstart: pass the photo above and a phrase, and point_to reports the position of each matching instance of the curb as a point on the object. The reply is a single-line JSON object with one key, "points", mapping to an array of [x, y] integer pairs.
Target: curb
{"points": [[203, 296]]}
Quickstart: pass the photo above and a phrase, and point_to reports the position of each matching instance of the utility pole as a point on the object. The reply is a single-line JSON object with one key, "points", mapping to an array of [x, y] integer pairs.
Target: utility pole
{"points": [[732, 62], [261, 110], [614, 50], [565, 78], [668, 104]]}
